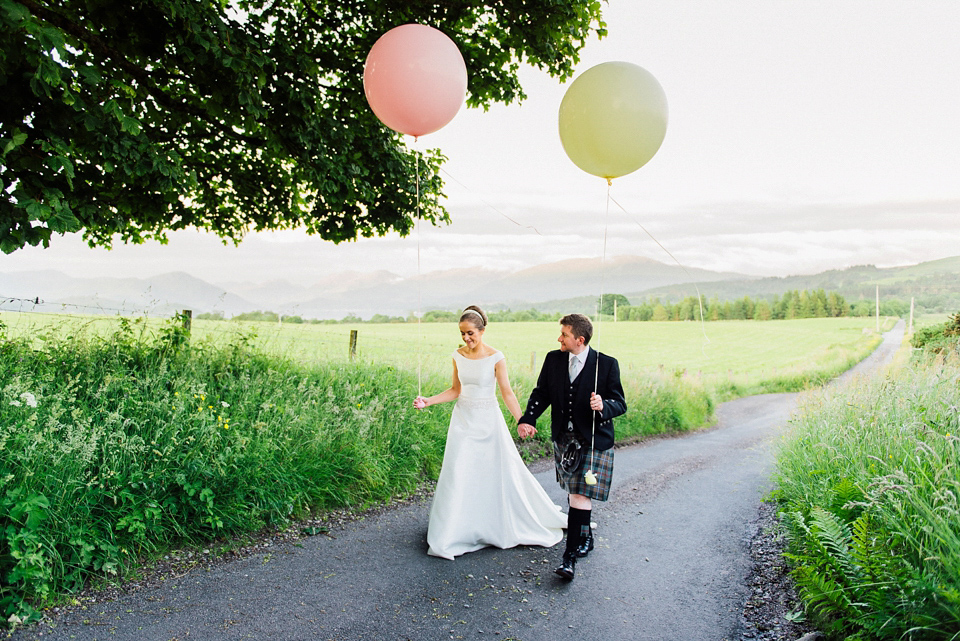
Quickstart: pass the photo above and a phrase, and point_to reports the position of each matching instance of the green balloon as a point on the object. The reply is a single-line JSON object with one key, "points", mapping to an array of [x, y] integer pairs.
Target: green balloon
{"points": [[613, 119]]}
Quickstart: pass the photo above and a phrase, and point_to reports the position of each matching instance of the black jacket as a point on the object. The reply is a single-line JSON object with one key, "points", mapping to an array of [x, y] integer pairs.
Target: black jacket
{"points": [[552, 386]]}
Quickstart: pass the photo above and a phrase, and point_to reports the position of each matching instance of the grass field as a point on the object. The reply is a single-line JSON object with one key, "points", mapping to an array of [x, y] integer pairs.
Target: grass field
{"points": [[720, 353]]}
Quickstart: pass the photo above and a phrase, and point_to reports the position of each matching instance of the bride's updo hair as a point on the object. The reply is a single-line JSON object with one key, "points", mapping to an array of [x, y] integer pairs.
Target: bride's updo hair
{"points": [[474, 315]]}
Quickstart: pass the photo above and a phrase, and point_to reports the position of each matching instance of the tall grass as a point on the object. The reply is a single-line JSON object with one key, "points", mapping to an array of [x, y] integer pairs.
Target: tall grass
{"points": [[118, 446], [112, 447], [869, 481]]}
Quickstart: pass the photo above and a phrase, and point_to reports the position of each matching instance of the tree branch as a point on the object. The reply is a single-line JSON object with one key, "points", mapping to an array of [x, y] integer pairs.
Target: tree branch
{"points": [[101, 49]]}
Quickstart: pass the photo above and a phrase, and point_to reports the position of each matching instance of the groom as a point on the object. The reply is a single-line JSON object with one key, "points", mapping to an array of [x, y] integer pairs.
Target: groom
{"points": [[583, 388]]}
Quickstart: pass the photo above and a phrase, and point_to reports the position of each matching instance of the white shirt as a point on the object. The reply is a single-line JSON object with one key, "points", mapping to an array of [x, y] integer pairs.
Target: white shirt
{"points": [[581, 359]]}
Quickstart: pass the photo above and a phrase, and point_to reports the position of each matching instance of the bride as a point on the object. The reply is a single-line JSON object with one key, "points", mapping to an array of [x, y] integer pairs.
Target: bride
{"points": [[485, 494]]}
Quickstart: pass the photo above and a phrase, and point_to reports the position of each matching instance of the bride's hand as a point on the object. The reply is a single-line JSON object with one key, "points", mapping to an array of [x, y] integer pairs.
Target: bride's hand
{"points": [[419, 402]]}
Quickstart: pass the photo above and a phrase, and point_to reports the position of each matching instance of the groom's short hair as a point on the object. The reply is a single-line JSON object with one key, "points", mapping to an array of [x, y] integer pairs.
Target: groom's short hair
{"points": [[580, 325]]}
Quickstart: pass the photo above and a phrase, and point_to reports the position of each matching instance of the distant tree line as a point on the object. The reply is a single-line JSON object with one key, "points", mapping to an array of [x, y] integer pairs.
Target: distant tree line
{"points": [[263, 317], [793, 304]]}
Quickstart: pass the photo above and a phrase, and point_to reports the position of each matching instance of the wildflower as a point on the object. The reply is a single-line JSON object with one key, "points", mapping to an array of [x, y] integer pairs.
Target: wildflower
{"points": [[15, 403], [29, 399], [224, 404]]}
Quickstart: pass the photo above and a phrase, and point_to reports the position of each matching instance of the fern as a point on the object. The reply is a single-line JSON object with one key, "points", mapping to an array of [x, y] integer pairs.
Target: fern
{"points": [[835, 539], [846, 497], [823, 598]]}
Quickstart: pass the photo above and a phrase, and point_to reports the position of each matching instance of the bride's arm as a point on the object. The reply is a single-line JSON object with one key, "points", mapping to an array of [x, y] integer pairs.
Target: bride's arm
{"points": [[450, 394], [503, 381]]}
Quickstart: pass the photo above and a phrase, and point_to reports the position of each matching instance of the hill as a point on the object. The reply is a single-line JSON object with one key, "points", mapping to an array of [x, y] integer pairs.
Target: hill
{"points": [[934, 285], [564, 286]]}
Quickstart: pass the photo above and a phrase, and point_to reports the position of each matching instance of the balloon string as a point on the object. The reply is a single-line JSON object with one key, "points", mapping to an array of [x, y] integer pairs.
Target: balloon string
{"points": [[419, 281], [454, 179], [603, 272], [703, 327]]}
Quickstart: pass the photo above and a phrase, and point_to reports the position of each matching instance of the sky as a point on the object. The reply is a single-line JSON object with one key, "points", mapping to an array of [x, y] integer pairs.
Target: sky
{"points": [[803, 135]]}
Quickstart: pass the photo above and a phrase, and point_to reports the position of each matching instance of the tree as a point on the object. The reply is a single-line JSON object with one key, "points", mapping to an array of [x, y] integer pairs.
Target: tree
{"points": [[762, 311], [612, 301], [130, 119]]}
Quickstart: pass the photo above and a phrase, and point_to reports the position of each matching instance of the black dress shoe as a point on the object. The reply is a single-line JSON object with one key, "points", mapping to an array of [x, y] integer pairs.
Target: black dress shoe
{"points": [[585, 546], [566, 570]]}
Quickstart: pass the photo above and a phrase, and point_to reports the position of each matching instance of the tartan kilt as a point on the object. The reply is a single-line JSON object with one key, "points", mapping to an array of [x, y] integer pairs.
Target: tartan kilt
{"points": [[600, 461]]}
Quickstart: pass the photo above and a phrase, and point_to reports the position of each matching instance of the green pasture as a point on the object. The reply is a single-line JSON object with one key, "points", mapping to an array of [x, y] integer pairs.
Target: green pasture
{"points": [[925, 320], [720, 354]]}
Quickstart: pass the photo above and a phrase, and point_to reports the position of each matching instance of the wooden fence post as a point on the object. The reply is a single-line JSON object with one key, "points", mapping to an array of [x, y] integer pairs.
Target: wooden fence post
{"points": [[910, 329], [353, 344], [878, 308], [187, 317]]}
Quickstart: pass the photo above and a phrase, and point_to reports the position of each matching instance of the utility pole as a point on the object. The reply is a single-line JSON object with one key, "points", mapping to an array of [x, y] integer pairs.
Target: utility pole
{"points": [[878, 309]]}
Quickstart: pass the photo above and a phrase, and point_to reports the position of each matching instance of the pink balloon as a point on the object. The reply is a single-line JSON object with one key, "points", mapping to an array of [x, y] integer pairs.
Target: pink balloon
{"points": [[415, 79]]}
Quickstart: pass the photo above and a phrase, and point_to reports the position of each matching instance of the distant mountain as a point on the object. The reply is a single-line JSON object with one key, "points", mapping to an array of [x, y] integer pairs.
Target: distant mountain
{"points": [[937, 278], [569, 285], [457, 288], [586, 277], [158, 295], [284, 295]]}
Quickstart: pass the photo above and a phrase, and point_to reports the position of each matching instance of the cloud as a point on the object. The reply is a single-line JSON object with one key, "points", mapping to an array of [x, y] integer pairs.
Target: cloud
{"points": [[757, 238]]}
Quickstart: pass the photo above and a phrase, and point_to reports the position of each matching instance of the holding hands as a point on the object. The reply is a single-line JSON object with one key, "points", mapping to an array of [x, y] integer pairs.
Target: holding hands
{"points": [[525, 430]]}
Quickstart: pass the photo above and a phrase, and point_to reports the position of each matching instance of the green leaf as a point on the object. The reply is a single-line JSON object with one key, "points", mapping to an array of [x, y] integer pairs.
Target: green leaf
{"points": [[63, 221], [18, 139], [130, 125]]}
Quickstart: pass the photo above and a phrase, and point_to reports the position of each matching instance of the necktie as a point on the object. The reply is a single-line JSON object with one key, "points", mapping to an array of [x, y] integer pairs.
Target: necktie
{"points": [[574, 362]]}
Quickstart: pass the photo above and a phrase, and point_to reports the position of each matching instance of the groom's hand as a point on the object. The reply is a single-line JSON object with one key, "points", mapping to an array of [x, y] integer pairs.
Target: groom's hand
{"points": [[596, 403], [525, 430]]}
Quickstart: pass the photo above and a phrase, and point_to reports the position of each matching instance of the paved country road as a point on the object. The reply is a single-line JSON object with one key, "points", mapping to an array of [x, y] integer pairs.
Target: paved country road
{"points": [[670, 564]]}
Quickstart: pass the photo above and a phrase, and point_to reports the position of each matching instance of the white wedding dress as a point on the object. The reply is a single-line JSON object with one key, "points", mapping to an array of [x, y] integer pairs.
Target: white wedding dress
{"points": [[485, 494]]}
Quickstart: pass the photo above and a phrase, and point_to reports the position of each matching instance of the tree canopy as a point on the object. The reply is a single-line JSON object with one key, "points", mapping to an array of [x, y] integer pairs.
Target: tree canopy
{"points": [[130, 119]]}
